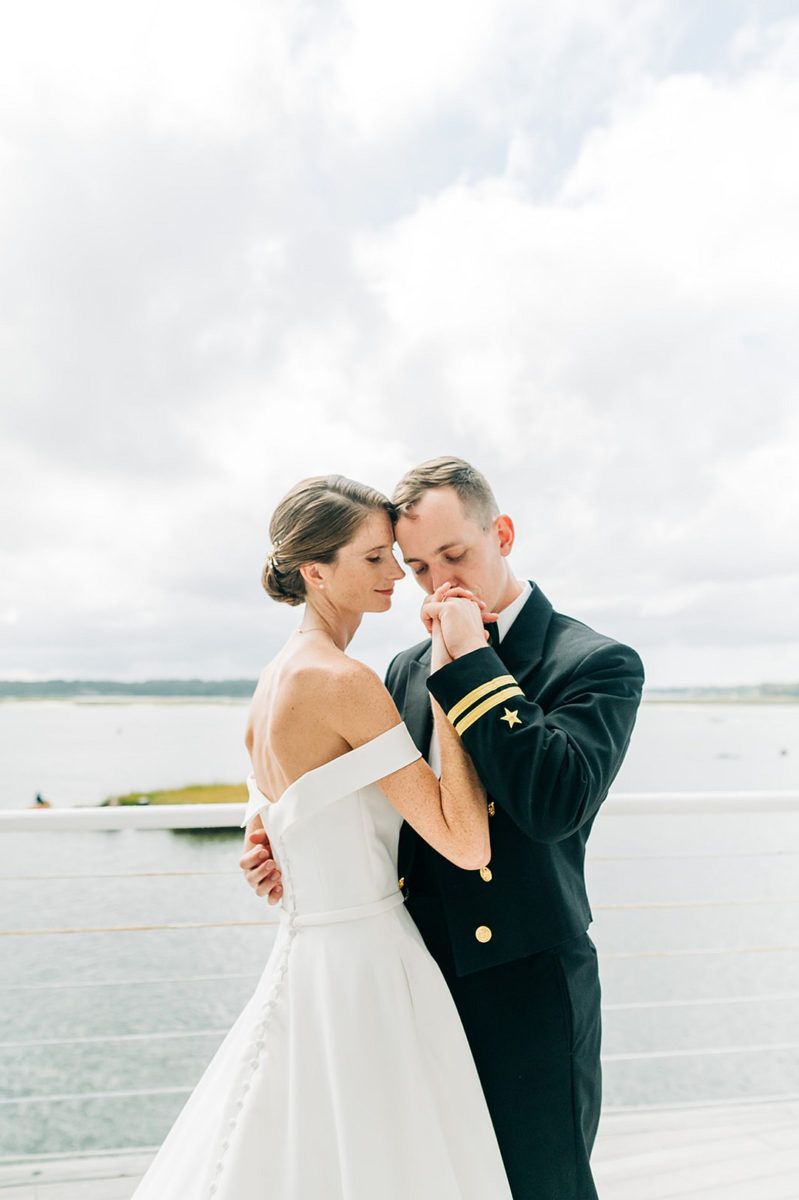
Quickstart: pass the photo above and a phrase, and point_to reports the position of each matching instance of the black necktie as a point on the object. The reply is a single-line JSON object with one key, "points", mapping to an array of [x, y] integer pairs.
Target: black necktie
{"points": [[493, 634]]}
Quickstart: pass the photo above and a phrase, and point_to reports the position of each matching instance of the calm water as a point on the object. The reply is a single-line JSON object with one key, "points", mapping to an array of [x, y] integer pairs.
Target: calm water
{"points": [[82, 752], [86, 1013]]}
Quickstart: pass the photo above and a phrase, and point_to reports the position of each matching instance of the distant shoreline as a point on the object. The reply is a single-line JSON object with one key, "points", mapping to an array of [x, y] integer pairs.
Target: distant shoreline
{"points": [[111, 689], [186, 691], [195, 793], [720, 699], [144, 698]]}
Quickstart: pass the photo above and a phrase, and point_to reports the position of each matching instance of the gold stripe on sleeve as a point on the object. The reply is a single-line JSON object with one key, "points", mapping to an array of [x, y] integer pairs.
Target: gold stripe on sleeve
{"points": [[477, 693], [486, 706]]}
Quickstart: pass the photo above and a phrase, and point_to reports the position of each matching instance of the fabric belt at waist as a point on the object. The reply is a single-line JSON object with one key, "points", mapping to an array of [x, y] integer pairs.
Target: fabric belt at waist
{"points": [[334, 916]]}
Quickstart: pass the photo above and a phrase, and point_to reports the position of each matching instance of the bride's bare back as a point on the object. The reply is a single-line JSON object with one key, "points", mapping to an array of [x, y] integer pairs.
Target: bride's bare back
{"points": [[313, 703], [288, 731]]}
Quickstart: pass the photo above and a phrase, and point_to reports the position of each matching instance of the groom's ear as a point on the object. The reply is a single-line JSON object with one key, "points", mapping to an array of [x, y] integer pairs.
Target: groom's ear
{"points": [[506, 534]]}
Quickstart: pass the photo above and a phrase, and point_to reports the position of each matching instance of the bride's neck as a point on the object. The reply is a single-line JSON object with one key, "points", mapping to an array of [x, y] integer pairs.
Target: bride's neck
{"points": [[339, 627]]}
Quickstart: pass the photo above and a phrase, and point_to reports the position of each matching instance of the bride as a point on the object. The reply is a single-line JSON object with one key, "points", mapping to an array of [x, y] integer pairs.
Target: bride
{"points": [[348, 1075]]}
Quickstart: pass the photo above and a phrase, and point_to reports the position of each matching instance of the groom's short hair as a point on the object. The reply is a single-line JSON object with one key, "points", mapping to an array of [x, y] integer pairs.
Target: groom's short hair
{"points": [[473, 489]]}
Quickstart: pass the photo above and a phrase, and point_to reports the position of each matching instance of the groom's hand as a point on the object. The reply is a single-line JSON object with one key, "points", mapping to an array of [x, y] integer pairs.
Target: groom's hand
{"points": [[260, 869], [461, 626], [432, 604]]}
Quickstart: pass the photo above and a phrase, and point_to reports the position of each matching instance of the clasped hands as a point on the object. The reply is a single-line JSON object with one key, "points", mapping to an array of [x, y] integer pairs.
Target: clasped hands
{"points": [[456, 620]]}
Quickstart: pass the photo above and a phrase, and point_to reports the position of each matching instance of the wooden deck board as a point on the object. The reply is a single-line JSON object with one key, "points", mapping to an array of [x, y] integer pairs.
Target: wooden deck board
{"points": [[731, 1153], [739, 1153]]}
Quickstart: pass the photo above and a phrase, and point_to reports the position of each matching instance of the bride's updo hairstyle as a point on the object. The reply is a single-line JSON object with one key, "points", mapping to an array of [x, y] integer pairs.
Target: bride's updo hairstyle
{"points": [[311, 524]]}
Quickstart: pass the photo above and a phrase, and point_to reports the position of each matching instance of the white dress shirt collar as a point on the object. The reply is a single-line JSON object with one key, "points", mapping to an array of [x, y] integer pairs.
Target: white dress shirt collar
{"points": [[511, 611]]}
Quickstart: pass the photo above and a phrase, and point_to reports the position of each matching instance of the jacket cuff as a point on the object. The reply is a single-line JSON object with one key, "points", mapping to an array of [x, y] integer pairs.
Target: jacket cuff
{"points": [[470, 687]]}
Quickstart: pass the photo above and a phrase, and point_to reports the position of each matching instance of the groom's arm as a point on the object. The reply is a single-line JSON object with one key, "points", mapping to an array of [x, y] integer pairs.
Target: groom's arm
{"points": [[549, 770]]}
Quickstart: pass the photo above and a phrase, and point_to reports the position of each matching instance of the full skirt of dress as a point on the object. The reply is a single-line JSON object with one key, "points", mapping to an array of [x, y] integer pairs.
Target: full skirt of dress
{"points": [[346, 1077]]}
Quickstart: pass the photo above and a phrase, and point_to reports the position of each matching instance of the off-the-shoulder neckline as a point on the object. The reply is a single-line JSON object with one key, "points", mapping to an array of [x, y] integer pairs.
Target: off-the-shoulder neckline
{"points": [[322, 766]]}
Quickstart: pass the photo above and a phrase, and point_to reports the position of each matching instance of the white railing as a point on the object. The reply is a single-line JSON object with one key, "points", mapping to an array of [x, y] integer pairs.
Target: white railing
{"points": [[227, 816]]}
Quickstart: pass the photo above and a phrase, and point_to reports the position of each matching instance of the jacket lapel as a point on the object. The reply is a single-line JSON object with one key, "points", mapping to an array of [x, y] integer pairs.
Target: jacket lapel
{"points": [[522, 647], [418, 717], [416, 711]]}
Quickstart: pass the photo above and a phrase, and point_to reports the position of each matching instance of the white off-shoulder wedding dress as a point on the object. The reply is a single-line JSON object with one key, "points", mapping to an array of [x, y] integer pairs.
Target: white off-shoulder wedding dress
{"points": [[348, 1075]]}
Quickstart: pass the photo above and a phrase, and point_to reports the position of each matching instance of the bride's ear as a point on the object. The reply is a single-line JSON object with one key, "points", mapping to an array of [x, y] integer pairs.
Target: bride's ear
{"points": [[313, 575]]}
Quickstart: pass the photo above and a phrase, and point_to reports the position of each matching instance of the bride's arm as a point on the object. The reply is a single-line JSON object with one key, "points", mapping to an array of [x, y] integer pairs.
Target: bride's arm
{"points": [[463, 798], [451, 816]]}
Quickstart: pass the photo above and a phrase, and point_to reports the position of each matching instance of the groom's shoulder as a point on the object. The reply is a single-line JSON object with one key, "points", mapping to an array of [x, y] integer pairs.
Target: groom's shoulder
{"points": [[573, 640]]}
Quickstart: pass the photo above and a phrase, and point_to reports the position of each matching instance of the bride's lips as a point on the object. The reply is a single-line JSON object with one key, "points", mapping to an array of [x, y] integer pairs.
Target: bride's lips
{"points": [[385, 591]]}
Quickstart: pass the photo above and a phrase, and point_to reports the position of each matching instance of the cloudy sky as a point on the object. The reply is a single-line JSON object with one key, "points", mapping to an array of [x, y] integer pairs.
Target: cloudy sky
{"points": [[250, 241]]}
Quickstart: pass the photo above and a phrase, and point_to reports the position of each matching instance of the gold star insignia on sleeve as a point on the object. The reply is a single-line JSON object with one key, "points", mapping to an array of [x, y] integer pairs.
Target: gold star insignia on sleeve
{"points": [[511, 717]]}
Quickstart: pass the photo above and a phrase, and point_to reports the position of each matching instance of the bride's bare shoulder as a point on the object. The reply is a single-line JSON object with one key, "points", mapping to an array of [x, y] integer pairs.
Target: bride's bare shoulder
{"points": [[343, 693], [340, 678], [329, 671], [361, 704], [322, 689]]}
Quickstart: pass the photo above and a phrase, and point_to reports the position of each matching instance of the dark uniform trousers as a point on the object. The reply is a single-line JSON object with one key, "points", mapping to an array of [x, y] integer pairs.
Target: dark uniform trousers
{"points": [[533, 1026], [546, 718]]}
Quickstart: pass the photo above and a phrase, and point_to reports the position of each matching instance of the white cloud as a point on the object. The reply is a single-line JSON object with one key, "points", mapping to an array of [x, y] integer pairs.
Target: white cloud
{"points": [[190, 66], [247, 244], [632, 339], [495, 65]]}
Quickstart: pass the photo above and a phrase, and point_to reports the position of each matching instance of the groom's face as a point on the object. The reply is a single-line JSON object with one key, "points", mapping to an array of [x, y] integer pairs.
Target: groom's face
{"points": [[441, 542]]}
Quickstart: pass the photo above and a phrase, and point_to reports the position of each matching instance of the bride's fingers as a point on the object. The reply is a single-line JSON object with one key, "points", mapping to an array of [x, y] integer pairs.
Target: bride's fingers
{"points": [[463, 594], [430, 602]]}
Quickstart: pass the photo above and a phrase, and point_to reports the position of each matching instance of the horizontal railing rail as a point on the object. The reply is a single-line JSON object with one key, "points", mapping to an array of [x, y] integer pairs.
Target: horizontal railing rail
{"points": [[230, 816]]}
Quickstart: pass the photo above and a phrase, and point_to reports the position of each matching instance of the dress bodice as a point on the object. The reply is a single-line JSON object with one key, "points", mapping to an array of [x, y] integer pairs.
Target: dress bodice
{"points": [[333, 833]]}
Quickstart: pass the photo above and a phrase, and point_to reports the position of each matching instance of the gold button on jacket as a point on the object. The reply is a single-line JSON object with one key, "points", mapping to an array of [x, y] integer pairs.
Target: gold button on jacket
{"points": [[486, 874], [483, 933]]}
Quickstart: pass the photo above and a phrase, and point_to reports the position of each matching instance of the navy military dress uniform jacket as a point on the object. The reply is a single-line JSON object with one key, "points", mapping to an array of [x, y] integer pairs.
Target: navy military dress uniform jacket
{"points": [[546, 718]]}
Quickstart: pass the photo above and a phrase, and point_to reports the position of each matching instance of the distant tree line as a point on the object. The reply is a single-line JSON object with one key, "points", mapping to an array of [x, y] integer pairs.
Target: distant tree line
{"points": [[69, 689], [756, 691], [236, 689]]}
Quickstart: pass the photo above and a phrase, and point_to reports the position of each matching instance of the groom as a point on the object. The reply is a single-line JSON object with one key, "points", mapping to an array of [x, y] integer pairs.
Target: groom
{"points": [[546, 712]]}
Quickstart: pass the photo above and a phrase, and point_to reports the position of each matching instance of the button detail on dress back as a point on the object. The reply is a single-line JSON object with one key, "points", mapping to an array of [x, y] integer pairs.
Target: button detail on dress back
{"points": [[483, 933]]}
